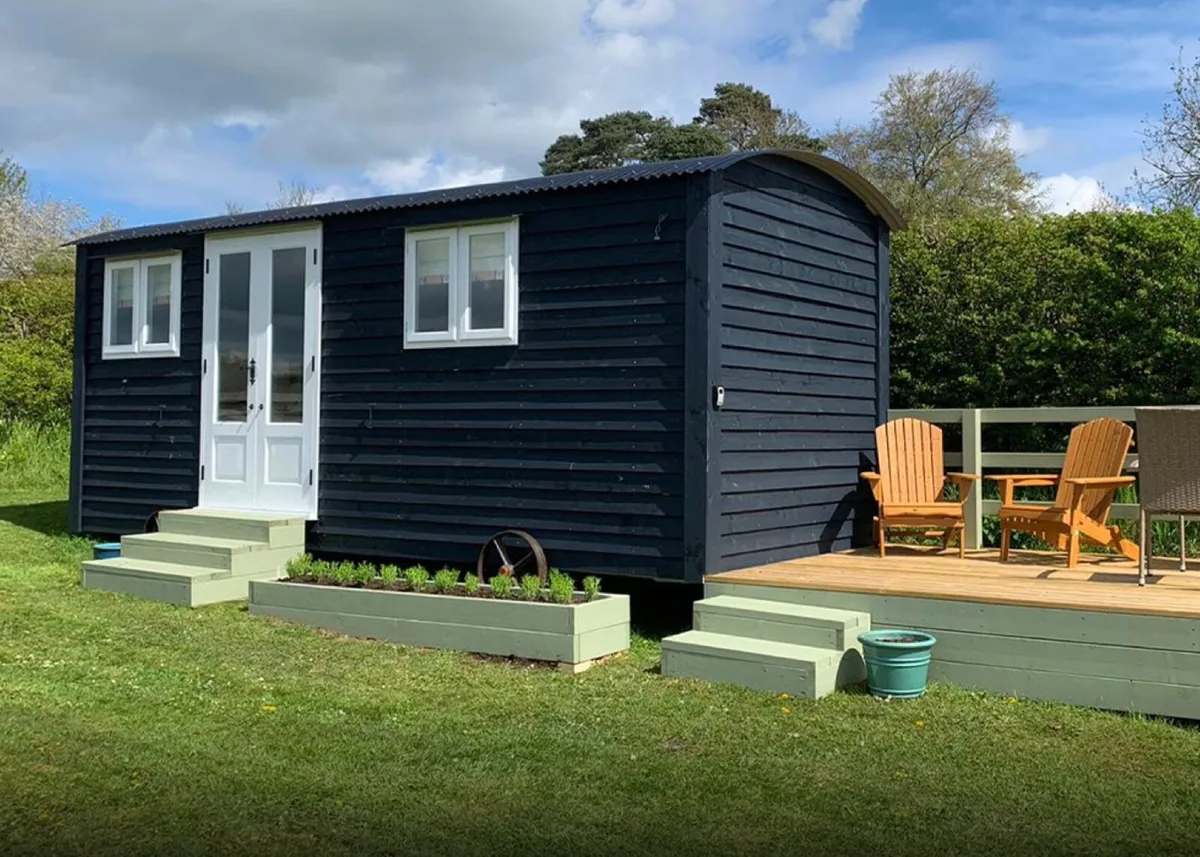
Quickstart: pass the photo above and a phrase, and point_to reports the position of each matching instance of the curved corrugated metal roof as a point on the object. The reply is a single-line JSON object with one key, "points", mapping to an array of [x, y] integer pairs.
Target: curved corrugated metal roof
{"points": [[875, 201]]}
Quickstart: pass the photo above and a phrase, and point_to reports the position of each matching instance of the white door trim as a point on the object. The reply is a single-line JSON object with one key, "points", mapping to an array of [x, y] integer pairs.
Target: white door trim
{"points": [[260, 243]]}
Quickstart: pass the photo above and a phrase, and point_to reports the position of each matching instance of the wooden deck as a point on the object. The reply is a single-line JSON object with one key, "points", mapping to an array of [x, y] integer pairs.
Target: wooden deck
{"points": [[1030, 628], [1101, 583]]}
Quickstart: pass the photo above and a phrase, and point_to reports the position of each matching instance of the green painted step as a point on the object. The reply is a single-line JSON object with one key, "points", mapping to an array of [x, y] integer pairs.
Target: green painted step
{"points": [[806, 672], [799, 624], [156, 570], [238, 556], [187, 586], [274, 530]]}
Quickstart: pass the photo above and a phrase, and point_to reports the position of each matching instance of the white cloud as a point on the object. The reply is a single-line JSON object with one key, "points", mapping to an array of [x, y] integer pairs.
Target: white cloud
{"points": [[1025, 140], [424, 172], [836, 28], [633, 14], [1065, 193]]}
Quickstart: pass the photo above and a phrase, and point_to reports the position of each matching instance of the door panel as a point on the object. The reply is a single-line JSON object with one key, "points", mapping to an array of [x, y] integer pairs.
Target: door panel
{"points": [[262, 307]]}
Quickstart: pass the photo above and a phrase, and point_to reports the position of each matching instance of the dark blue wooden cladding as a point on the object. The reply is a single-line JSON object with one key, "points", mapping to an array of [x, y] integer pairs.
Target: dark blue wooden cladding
{"points": [[576, 434], [800, 362], [138, 420], [598, 432]]}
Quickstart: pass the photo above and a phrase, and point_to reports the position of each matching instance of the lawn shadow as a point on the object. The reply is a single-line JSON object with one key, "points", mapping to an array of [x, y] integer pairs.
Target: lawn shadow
{"points": [[48, 518]]}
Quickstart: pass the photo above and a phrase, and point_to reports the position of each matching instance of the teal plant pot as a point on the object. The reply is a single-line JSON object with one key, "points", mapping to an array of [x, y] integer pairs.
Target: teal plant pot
{"points": [[897, 662], [107, 550]]}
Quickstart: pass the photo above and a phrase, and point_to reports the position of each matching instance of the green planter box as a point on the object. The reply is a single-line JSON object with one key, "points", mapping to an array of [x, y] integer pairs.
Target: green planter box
{"points": [[573, 635]]}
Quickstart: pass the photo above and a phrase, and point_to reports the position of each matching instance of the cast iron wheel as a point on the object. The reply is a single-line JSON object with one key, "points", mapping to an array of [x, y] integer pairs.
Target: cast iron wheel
{"points": [[515, 549]]}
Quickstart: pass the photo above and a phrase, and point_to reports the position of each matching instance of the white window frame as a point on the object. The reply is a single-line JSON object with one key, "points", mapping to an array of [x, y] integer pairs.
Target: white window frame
{"points": [[139, 347], [458, 334]]}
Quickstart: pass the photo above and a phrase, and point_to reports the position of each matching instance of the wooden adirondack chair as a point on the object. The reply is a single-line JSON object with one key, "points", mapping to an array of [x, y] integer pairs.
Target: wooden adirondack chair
{"points": [[911, 482], [1090, 477]]}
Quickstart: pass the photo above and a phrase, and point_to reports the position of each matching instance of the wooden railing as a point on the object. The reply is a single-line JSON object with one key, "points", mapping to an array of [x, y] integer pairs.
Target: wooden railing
{"points": [[974, 459]]}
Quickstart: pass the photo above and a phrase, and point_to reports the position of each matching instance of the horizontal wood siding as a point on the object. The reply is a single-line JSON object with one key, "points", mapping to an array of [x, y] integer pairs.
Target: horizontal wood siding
{"points": [[799, 344], [140, 417], [575, 435]]}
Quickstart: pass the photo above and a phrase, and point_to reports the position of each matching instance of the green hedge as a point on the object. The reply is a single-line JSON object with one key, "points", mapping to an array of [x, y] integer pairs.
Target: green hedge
{"points": [[1086, 309], [36, 323]]}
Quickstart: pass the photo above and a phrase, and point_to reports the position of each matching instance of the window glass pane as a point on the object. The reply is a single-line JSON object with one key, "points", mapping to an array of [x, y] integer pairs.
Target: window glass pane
{"points": [[120, 330], [487, 282], [158, 303], [233, 337], [288, 276], [433, 285]]}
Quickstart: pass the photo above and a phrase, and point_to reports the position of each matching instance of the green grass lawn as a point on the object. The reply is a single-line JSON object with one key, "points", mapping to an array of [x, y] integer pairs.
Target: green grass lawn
{"points": [[131, 728]]}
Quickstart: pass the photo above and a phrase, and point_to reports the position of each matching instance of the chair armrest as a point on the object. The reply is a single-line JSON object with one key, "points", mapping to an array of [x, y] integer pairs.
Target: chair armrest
{"points": [[1010, 482], [873, 479], [963, 482], [1021, 480], [1101, 481]]}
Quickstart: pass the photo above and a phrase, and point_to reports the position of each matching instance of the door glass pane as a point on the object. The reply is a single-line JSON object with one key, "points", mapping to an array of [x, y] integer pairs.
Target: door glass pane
{"points": [[288, 277], [158, 303], [233, 337], [121, 324], [487, 282], [433, 285]]}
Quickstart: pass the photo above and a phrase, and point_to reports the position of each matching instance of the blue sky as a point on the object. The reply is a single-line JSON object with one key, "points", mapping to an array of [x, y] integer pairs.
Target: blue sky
{"points": [[159, 109]]}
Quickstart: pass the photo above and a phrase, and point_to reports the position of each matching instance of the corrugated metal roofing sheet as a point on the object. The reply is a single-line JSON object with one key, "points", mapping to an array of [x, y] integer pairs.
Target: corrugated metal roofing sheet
{"points": [[874, 200]]}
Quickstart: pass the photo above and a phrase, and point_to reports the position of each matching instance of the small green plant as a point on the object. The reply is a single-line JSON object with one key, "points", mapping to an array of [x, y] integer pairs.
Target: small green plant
{"points": [[502, 585], [299, 567], [364, 574], [471, 583], [531, 587], [322, 571], [445, 580], [562, 588], [344, 572], [591, 587], [388, 575], [417, 577]]}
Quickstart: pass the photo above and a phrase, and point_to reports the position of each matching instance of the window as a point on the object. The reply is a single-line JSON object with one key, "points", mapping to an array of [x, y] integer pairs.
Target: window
{"points": [[141, 307], [460, 286]]}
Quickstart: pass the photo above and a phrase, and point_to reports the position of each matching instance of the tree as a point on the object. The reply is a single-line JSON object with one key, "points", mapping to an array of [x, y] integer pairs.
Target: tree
{"points": [[33, 229], [14, 181], [1171, 146], [744, 118], [736, 118], [939, 147], [291, 194], [625, 137]]}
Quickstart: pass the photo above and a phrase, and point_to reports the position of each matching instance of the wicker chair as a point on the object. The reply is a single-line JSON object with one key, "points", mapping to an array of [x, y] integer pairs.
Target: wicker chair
{"points": [[1168, 472]]}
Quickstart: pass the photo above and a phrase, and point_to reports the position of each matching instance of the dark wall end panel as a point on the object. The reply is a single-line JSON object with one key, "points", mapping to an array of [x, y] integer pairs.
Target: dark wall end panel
{"points": [[799, 361], [137, 422]]}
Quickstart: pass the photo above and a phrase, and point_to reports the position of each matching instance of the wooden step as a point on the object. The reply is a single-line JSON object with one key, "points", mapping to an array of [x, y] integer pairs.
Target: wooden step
{"points": [[798, 624], [276, 531], [189, 586], [237, 556], [805, 672]]}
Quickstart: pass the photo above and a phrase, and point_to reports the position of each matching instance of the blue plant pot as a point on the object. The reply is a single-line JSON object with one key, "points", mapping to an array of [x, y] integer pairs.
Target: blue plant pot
{"points": [[897, 662], [107, 550]]}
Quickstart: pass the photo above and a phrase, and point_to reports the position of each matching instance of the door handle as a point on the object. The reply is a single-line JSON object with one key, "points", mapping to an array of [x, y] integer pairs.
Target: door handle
{"points": [[253, 370]]}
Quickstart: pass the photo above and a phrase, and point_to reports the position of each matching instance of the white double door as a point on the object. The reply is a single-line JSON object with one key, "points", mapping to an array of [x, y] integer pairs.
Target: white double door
{"points": [[260, 382]]}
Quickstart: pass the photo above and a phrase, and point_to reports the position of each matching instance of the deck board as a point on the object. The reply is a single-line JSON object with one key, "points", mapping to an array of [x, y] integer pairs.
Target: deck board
{"points": [[1102, 583]]}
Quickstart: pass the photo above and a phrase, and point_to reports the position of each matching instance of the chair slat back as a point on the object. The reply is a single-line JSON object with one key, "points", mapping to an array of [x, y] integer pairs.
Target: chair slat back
{"points": [[1096, 449], [910, 461]]}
